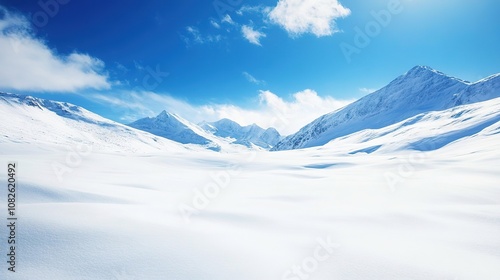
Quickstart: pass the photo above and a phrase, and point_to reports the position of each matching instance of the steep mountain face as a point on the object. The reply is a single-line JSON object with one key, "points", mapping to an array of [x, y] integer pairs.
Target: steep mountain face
{"points": [[173, 127], [471, 123], [244, 135], [38, 121], [482, 90], [422, 89]]}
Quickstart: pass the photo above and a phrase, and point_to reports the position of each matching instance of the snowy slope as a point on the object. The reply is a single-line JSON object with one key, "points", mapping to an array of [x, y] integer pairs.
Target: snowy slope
{"points": [[420, 90], [42, 122], [482, 90], [318, 212], [428, 131], [244, 135]]}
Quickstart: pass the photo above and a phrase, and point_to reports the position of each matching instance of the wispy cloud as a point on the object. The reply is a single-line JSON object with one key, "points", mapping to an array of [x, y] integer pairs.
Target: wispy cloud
{"points": [[253, 9], [194, 36], [121, 67], [227, 19], [253, 36], [367, 90], [252, 79], [215, 24], [27, 63], [270, 110], [317, 17]]}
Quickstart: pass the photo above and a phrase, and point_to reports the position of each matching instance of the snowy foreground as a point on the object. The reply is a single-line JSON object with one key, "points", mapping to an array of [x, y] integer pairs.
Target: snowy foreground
{"points": [[308, 214], [415, 200]]}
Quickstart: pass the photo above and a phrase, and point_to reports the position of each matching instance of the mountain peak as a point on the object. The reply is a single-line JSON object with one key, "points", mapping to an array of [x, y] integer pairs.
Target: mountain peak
{"points": [[172, 127], [227, 121], [420, 70], [164, 114], [246, 135]]}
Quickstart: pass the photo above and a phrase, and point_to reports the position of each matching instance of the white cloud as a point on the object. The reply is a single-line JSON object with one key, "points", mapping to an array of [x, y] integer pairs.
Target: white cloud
{"points": [[367, 90], [227, 19], [252, 79], [194, 35], [253, 9], [317, 17], [214, 24], [27, 63], [253, 36], [271, 110]]}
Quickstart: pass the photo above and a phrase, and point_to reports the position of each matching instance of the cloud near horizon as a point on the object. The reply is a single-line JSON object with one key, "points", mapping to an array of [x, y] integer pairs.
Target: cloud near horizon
{"points": [[271, 111], [367, 90], [29, 64], [249, 77]]}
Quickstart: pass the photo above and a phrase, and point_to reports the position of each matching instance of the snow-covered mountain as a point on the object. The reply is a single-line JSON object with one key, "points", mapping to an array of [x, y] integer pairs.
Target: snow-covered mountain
{"points": [[213, 135], [429, 131], [175, 128], [420, 90], [38, 121], [244, 135]]}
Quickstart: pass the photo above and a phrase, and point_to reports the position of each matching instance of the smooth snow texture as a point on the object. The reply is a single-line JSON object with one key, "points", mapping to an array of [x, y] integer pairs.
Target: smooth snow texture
{"points": [[383, 209], [119, 215]]}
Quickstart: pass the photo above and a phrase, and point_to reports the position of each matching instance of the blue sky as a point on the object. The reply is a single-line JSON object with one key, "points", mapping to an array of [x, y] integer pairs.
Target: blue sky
{"points": [[280, 63]]}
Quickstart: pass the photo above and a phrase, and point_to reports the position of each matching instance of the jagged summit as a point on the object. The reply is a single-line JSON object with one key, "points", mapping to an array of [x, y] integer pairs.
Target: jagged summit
{"points": [[420, 70], [425, 73], [164, 114], [214, 135], [244, 135], [167, 115]]}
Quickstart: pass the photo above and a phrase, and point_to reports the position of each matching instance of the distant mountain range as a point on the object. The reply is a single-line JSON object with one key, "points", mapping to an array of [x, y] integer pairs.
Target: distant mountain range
{"points": [[422, 109], [212, 134], [244, 135]]}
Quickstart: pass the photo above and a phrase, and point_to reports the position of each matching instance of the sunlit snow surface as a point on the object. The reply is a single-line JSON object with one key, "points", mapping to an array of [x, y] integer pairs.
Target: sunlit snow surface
{"points": [[418, 200]]}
